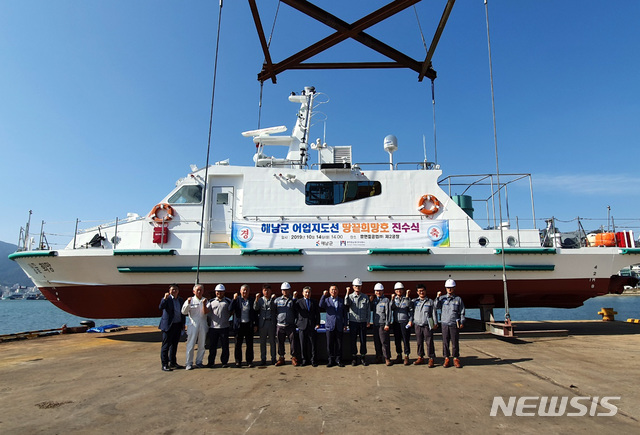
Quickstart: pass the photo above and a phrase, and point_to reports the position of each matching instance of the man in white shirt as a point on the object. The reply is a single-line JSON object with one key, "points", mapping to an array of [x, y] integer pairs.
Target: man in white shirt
{"points": [[196, 308]]}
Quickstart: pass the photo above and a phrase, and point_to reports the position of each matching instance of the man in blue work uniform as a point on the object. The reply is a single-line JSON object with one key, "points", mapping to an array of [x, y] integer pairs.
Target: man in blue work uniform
{"points": [[286, 324], [402, 308], [382, 318], [425, 321], [452, 320], [359, 314]]}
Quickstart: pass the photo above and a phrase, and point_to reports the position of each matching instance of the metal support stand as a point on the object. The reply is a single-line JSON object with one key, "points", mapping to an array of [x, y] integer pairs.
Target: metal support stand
{"points": [[486, 312], [501, 329]]}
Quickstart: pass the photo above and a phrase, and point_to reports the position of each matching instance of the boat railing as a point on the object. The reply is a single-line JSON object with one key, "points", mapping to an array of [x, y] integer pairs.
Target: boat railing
{"points": [[558, 233], [485, 189], [385, 165], [57, 234], [351, 216], [425, 165]]}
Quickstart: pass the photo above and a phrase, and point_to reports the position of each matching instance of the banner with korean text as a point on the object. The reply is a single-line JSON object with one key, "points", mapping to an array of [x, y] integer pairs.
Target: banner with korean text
{"points": [[361, 234]]}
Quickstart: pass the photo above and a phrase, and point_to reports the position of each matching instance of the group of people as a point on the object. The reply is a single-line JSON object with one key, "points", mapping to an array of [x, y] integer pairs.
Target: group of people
{"points": [[288, 317]]}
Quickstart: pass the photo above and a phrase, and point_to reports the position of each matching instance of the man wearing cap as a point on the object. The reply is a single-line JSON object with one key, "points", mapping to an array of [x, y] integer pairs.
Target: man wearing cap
{"points": [[402, 308], [307, 321], [171, 325], [359, 315], [285, 324], [335, 324], [265, 307], [452, 320], [425, 321], [195, 307], [219, 309], [244, 324], [382, 319]]}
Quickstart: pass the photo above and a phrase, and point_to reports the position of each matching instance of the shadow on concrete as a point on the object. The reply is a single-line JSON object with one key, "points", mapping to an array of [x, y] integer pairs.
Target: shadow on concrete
{"points": [[573, 327], [138, 337], [477, 361]]}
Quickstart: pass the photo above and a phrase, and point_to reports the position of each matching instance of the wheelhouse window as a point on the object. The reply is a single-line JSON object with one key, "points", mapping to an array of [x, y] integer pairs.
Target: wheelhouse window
{"points": [[338, 192], [187, 195]]}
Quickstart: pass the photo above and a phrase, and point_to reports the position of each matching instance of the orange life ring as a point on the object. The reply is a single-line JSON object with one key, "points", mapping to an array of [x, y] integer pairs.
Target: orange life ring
{"points": [[162, 206], [435, 207]]}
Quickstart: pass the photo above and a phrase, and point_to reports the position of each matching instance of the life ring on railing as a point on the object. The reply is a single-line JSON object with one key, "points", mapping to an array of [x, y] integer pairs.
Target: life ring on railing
{"points": [[162, 206], [428, 211]]}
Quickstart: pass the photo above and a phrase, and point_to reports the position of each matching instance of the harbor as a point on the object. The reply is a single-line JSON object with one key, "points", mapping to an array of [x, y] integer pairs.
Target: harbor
{"points": [[112, 383], [343, 175], [300, 204]]}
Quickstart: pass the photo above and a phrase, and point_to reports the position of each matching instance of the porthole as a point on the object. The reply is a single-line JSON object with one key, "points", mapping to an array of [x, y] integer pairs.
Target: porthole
{"points": [[511, 241], [483, 241]]}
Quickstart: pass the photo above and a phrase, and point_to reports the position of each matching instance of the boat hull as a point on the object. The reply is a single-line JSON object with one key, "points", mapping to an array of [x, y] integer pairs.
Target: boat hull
{"points": [[123, 301], [99, 284]]}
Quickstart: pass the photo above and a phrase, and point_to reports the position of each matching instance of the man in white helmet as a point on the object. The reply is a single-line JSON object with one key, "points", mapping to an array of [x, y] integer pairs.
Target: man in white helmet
{"points": [[219, 311], [382, 318], [452, 320], [286, 324], [196, 308], [402, 307], [359, 315]]}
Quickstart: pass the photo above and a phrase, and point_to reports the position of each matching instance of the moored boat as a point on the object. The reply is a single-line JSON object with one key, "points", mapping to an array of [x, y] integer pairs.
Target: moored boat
{"points": [[286, 220]]}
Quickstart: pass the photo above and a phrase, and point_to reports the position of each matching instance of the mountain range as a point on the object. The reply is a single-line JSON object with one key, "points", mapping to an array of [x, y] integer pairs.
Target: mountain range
{"points": [[10, 272]]}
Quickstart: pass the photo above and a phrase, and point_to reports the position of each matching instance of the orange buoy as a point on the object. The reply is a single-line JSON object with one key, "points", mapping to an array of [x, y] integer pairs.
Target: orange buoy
{"points": [[433, 209], [162, 206]]}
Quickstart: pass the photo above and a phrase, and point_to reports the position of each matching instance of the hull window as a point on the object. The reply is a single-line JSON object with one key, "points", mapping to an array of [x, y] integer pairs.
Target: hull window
{"points": [[338, 192]]}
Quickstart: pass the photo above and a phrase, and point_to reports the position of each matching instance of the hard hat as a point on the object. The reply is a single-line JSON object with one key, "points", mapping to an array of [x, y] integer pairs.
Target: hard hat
{"points": [[357, 281], [398, 285], [220, 288], [285, 286], [378, 287], [450, 283]]}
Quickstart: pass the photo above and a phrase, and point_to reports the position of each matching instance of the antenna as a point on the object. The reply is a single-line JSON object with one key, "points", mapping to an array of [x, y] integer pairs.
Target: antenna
{"points": [[424, 148]]}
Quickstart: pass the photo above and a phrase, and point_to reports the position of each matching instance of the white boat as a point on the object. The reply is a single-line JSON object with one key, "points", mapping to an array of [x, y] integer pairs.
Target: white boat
{"points": [[285, 220], [288, 219]]}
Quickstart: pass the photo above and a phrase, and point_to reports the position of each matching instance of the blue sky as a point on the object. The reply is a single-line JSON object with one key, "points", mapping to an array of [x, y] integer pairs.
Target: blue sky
{"points": [[104, 105]]}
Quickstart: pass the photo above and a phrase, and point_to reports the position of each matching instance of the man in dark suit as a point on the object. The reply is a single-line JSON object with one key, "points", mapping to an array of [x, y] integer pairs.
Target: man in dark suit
{"points": [[171, 325], [265, 308], [335, 324], [245, 324], [307, 321]]}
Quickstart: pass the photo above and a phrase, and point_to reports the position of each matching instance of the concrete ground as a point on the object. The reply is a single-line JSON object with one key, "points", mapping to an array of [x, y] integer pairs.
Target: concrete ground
{"points": [[112, 383]]}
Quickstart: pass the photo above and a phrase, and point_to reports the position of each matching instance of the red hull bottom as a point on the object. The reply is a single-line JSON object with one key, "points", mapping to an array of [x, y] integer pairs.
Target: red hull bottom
{"points": [[119, 301]]}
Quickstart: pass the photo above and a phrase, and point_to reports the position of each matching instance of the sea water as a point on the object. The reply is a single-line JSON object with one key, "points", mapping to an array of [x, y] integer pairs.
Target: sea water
{"points": [[34, 315], [25, 315]]}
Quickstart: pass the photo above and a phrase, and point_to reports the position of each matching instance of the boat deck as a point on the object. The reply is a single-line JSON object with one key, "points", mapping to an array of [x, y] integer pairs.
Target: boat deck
{"points": [[112, 383]]}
